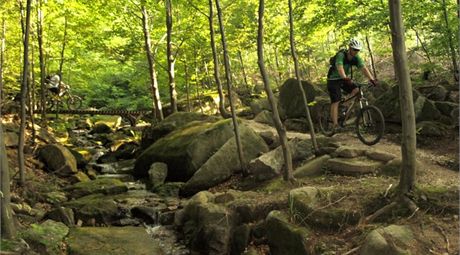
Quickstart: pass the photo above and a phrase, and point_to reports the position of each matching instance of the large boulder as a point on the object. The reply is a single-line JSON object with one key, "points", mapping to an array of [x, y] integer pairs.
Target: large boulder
{"points": [[186, 149], [104, 185], [391, 240], [58, 159], [291, 100], [225, 162], [46, 237], [172, 122], [424, 108]]}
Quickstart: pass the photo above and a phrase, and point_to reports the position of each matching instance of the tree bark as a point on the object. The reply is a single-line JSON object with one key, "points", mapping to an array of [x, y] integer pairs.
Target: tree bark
{"points": [[64, 43], [297, 73], [279, 79], [229, 88], [222, 110], [171, 60], [25, 72], [8, 229], [187, 85], [31, 94], [152, 73], [198, 96], [2, 60], [372, 57], [245, 79], [271, 98], [453, 53], [42, 62], [408, 139]]}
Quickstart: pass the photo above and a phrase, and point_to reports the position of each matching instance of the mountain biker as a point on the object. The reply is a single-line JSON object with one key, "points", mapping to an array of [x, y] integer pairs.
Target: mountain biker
{"points": [[55, 84], [340, 76]]}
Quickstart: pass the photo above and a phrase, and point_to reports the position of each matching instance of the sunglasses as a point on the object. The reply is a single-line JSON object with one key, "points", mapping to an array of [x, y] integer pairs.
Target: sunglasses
{"points": [[354, 50]]}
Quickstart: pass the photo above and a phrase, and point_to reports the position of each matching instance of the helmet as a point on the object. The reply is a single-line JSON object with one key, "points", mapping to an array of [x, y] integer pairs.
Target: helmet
{"points": [[355, 44]]}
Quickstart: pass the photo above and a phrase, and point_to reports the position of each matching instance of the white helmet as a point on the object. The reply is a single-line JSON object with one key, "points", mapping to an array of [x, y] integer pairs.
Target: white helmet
{"points": [[355, 44]]}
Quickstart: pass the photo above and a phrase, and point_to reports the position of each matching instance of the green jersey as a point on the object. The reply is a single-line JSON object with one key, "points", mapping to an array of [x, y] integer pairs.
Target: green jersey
{"points": [[341, 59]]}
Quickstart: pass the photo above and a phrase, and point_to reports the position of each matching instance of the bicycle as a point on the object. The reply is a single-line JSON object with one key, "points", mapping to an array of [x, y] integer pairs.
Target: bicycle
{"points": [[56, 99], [369, 123]]}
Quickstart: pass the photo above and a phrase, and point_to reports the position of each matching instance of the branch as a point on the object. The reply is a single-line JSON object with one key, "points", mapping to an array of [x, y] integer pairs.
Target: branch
{"points": [[198, 9], [379, 212]]}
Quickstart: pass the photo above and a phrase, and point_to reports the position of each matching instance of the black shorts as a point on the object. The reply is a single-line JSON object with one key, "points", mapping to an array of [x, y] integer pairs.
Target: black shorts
{"points": [[334, 87]]}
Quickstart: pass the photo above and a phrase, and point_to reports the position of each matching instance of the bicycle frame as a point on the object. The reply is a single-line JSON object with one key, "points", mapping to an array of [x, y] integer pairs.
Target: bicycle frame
{"points": [[358, 97]]}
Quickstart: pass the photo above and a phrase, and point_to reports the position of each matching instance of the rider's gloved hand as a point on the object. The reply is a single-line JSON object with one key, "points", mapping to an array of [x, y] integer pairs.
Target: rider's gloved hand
{"points": [[347, 81], [374, 82]]}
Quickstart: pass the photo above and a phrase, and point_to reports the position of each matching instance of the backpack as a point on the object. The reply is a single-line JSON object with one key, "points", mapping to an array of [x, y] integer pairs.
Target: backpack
{"points": [[332, 67]]}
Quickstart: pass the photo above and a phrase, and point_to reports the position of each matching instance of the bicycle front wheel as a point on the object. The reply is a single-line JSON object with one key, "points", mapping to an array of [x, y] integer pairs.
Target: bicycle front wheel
{"points": [[74, 102], [370, 125], [325, 121]]}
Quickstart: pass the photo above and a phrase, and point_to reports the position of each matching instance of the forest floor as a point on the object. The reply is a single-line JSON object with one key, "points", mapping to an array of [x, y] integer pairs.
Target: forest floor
{"points": [[437, 166]]}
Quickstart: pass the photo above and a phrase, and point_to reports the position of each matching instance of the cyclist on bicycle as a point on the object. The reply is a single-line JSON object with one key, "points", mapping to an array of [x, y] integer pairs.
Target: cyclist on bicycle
{"points": [[55, 84], [340, 76]]}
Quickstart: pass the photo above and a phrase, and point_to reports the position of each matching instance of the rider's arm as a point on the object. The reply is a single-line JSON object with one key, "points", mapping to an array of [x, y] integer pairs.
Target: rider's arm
{"points": [[367, 73], [341, 71], [339, 65]]}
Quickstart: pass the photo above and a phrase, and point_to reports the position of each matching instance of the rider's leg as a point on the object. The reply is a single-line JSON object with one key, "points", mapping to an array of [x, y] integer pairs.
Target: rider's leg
{"points": [[335, 113], [333, 86]]}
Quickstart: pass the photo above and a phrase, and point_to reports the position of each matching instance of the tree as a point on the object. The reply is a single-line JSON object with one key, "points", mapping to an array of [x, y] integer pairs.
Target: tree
{"points": [[150, 58], [2, 59], [25, 73], [229, 88], [297, 74], [408, 137], [278, 124], [41, 61], [222, 109], [453, 53], [7, 225], [170, 57]]}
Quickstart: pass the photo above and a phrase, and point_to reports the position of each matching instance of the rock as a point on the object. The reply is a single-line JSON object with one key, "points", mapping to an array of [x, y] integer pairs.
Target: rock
{"points": [[391, 240], [113, 241], [354, 166], [290, 98], [225, 162], [270, 139], [174, 121], [389, 105], [120, 177], [58, 159], [260, 105], [265, 117], [445, 107], [101, 128], [11, 139], [207, 227], [186, 149], [104, 186], [78, 177], [46, 237], [240, 238], [299, 125], [169, 189], [55, 197], [157, 174], [436, 93], [81, 161], [148, 214], [62, 214], [284, 237], [379, 155], [432, 128], [119, 167], [96, 208], [349, 152], [270, 164], [313, 167]]}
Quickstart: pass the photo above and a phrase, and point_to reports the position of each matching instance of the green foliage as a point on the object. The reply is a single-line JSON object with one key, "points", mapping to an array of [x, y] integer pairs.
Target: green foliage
{"points": [[105, 61]]}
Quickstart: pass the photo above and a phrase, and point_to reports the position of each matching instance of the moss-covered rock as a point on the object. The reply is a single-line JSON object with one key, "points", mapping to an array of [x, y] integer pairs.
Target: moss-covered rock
{"points": [[58, 159], [291, 100], [391, 240], [186, 149], [111, 241], [285, 237], [47, 237], [312, 167], [96, 208], [103, 185], [353, 166]]}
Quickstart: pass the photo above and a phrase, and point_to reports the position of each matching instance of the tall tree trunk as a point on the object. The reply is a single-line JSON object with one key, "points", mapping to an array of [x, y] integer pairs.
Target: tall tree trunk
{"points": [[169, 55], [31, 92], [271, 98], [25, 72], [453, 53], [7, 229], [229, 88], [408, 140], [297, 73], [2, 60], [372, 57], [245, 79], [187, 84], [42, 62], [222, 110], [279, 76], [153, 75], [64, 43], [198, 96]]}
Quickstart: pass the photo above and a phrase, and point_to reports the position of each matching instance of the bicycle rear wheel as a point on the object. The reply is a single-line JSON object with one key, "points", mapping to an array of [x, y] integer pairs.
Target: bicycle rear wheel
{"points": [[370, 125], [74, 102], [325, 121]]}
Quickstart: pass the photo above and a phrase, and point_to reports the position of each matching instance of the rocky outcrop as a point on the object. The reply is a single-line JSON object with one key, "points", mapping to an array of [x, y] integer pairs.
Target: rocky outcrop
{"points": [[58, 160], [290, 98]]}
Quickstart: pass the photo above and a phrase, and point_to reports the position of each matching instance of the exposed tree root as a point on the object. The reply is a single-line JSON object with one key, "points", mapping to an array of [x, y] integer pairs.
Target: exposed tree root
{"points": [[401, 200]]}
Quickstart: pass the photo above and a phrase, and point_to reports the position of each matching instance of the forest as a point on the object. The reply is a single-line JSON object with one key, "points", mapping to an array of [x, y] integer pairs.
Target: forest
{"points": [[207, 127]]}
